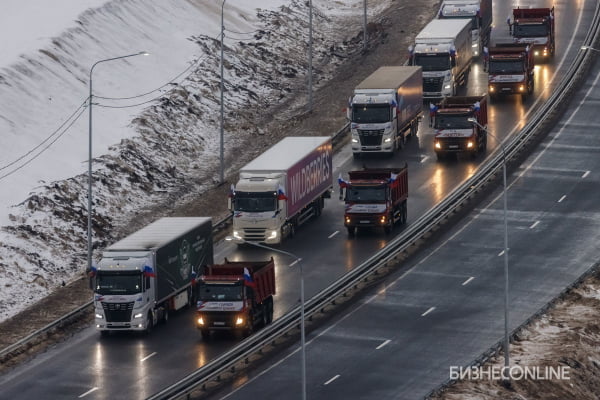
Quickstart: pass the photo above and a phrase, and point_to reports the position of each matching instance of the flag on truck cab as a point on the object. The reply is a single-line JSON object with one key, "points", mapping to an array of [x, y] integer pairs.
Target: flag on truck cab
{"points": [[148, 271], [281, 193], [248, 281], [393, 177], [232, 191], [343, 184], [476, 106], [92, 271]]}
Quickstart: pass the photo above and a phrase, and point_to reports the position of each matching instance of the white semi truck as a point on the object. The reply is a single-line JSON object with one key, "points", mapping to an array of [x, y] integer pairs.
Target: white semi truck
{"points": [[385, 109], [151, 272], [281, 189], [479, 12], [443, 49]]}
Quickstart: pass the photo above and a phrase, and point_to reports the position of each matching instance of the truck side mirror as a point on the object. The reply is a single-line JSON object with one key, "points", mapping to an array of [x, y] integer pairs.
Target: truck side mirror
{"points": [[453, 61], [230, 204], [348, 113]]}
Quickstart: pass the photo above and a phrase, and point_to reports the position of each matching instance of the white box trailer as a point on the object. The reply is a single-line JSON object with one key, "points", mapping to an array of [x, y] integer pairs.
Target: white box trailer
{"points": [[443, 49], [479, 12], [281, 189], [385, 109]]}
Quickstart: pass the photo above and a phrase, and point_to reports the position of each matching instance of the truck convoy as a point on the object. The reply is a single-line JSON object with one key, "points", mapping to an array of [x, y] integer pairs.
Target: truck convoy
{"points": [[454, 133], [510, 70], [444, 50], [281, 189], [235, 296], [375, 198], [535, 27], [479, 12], [385, 109], [144, 276]]}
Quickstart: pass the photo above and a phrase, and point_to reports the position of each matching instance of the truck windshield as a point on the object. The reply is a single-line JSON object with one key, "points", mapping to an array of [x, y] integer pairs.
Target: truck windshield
{"points": [[365, 194], [371, 113], [255, 201], [433, 62], [118, 282], [220, 292], [537, 30], [505, 67], [446, 121]]}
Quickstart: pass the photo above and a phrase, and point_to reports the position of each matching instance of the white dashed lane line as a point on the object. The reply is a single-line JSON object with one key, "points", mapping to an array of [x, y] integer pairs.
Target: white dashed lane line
{"points": [[88, 392], [383, 344], [331, 380], [468, 280], [333, 234], [428, 311]]}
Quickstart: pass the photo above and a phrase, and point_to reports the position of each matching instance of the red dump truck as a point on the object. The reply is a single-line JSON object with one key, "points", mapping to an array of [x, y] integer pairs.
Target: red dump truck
{"points": [[235, 296], [535, 27], [375, 198], [510, 70], [454, 132]]}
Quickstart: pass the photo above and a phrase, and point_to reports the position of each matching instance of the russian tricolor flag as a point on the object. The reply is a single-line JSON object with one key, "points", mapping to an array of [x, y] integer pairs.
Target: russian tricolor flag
{"points": [[281, 193], [248, 281], [148, 271], [343, 184]]}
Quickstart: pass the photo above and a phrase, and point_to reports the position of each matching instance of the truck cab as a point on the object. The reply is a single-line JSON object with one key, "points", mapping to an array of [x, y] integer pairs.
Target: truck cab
{"points": [[454, 132], [375, 198], [258, 208], [510, 70], [479, 12], [535, 27], [373, 122], [124, 292]]}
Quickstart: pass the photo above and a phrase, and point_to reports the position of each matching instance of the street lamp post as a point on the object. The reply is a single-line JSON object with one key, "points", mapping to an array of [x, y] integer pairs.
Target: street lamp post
{"points": [[302, 330], [506, 341], [221, 155], [310, 56], [89, 228], [365, 25], [589, 48]]}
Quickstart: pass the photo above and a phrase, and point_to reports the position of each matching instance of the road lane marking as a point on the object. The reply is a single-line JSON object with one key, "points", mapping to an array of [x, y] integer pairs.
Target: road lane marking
{"points": [[333, 234], [501, 253], [585, 174], [468, 280], [562, 198], [382, 344], [148, 356], [331, 380], [88, 392], [295, 262], [534, 224], [424, 159], [428, 311]]}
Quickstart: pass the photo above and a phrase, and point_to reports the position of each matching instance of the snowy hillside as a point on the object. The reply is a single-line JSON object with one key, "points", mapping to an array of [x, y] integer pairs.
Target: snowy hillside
{"points": [[155, 118]]}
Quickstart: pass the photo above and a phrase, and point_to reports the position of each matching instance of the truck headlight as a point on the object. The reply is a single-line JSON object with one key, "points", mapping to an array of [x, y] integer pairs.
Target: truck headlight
{"points": [[236, 234], [99, 316], [138, 315], [447, 87], [521, 88], [536, 53], [347, 220], [200, 321], [354, 140], [387, 140], [273, 235], [239, 321], [438, 145], [492, 89], [382, 219]]}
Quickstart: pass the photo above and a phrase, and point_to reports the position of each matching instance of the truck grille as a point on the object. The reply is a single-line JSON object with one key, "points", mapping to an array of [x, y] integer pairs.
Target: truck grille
{"points": [[254, 233], [117, 312], [222, 319], [432, 84], [370, 137], [453, 144]]}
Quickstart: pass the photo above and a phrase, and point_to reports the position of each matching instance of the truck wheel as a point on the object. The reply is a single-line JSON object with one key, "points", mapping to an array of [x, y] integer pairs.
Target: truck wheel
{"points": [[149, 323], [104, 334], [440, 156], [205, 333], [404, 212], [351, 231], [356, 155], [270, 311], [387, 229], [165, 316]]}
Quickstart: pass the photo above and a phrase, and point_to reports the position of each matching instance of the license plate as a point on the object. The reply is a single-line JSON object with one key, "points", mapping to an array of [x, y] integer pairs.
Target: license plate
{"points": [[365, 222], [219, 323], [453, 146]]}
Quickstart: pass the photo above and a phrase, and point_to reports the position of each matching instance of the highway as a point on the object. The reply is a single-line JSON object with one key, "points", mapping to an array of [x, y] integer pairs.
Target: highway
{"points": [[423, 341]]}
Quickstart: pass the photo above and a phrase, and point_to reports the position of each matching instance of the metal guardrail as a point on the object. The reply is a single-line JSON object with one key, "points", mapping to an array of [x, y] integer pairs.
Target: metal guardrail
{"points": [[62, 321], [397, 248]]}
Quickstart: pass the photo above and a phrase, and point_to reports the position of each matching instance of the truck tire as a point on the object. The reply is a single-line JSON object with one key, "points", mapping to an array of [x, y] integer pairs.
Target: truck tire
{"points": [[404, 213], [356, 155], [149, 323], [165, 316], [440, 156], [270, 310], [104, 334], [351, 231]]}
